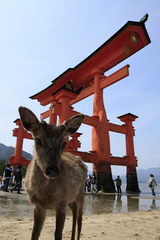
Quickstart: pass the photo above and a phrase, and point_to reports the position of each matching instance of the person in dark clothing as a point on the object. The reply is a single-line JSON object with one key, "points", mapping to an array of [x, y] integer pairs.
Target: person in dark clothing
{"points": [[118, 184], [18, 180], [7, 177], [93, 183]]}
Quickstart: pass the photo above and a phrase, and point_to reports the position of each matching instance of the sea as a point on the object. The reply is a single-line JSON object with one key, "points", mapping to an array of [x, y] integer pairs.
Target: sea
{"points": [[16, 205], [114, 203]]}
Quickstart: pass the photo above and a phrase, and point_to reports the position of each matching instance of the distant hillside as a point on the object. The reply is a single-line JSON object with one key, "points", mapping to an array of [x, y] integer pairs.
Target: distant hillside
{"points": [[143, 174], [6, 152]]}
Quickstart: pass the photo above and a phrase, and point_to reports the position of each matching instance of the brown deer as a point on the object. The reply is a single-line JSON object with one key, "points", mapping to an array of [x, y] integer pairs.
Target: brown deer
{"points": [[54, 179]]}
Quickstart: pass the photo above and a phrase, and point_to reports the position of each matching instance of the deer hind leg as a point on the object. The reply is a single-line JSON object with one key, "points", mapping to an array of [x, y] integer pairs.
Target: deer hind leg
{"points": [[73, 207], [39, 217], [60, 219], [79, 221], [79, 202]]}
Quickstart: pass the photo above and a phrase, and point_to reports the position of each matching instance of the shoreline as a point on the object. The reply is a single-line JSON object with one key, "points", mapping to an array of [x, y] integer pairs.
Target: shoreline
{"points": [[112, 226], [15, 205]]}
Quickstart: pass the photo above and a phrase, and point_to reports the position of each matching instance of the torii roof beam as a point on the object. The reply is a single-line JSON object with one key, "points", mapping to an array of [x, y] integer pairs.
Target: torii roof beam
{"points": [[128, 40]]}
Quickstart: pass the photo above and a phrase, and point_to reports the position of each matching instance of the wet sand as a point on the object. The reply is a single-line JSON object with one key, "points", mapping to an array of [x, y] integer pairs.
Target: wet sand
{"points": [[113, 226]]}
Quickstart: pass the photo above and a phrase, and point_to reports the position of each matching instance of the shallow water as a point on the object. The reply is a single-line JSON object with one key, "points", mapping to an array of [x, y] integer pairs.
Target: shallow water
{"points": [[16, 205], [118, 203]]}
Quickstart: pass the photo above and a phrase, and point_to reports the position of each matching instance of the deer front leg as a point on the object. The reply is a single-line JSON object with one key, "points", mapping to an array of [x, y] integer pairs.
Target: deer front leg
{"points": [[60, 219], [39, 217]]}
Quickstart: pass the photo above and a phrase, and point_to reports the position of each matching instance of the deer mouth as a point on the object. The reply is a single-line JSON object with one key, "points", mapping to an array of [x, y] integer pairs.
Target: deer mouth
{"points": [[52, 172]]}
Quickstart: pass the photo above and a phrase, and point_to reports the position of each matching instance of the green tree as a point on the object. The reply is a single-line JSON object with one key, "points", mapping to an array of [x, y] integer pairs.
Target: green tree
{"points": [[2, 166], [23, 171]]}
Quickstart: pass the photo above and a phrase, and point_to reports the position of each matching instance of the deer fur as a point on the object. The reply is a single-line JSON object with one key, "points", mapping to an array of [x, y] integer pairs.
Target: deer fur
{"points": [[54, 178]]}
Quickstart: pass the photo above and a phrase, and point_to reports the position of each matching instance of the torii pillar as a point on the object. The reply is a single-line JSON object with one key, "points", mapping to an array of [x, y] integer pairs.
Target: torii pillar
{"points": [[19, 144], [100, 139], [52, 114], [132, 181], [63, 97], [74, 142], [17, 158]]}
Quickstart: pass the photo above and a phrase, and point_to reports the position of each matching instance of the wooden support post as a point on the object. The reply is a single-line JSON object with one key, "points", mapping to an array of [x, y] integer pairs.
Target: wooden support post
{"points": [[132, 181], [19, 132], [74, 142], [63, 97], [52, 114], [100, 140]]}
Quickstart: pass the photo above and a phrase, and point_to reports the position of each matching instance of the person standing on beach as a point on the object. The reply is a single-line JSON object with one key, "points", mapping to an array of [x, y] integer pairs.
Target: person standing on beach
{"points": [[152, 184], [18, 179], [118, 184], [7, 177], [93, 183]]}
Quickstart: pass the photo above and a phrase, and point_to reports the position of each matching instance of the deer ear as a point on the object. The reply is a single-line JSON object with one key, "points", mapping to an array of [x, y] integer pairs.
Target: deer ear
{"points": [[73, 124], [28, 119]]}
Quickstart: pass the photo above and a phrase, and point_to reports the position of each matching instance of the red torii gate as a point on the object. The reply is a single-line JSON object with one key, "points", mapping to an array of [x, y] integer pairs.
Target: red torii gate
{"points": [[85, 79]]}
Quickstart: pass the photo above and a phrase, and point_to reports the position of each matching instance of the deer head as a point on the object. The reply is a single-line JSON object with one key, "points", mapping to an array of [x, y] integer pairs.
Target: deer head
{"points": [[49, 139]]}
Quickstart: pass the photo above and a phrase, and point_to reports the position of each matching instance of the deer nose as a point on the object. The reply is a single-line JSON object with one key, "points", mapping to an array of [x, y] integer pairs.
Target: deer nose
{"points": [[52, 172]]}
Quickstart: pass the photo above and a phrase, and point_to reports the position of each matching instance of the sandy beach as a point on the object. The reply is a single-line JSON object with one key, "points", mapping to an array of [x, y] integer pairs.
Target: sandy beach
{"points": [[133, 225]]}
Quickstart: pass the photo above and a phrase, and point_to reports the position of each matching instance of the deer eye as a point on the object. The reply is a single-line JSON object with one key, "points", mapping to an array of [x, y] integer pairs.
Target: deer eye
{"points": [[64, 144], [38, 141]]}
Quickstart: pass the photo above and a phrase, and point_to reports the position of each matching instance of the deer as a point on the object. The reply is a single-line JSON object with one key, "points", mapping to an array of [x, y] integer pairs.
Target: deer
{"points": [[55, 179]]}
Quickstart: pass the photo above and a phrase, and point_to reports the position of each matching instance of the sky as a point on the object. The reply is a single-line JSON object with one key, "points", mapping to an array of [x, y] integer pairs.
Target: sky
{"points": [[40, 39]]}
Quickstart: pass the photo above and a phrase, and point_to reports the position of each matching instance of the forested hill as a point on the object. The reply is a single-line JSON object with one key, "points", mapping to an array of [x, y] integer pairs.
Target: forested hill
{"points": [[143, 174], [6, 152]]}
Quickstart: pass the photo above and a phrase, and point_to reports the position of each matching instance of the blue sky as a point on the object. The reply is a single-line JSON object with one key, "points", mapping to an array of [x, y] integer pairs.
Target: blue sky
{"points": [[41, 39]]}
